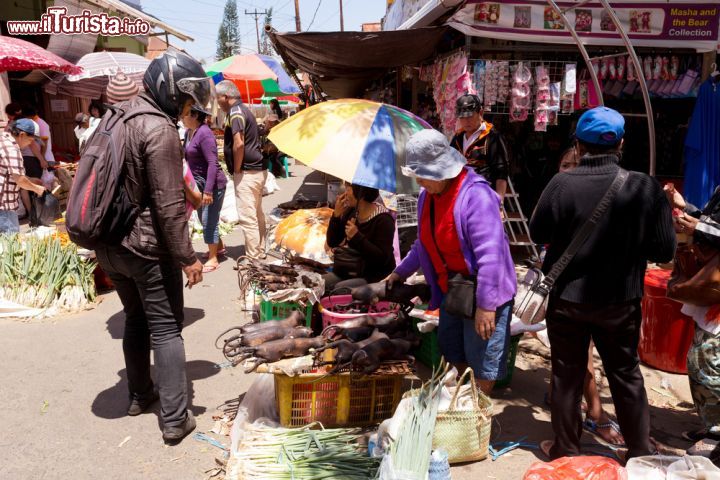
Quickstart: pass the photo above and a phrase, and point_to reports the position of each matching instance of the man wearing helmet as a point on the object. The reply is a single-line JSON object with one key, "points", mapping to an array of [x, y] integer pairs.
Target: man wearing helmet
{"points": [[146, 268], [481, 143]]}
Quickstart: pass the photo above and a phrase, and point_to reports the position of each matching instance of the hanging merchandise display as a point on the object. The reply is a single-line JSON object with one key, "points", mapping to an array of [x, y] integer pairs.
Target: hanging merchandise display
{"points": [[479, 78], [508, 88], [667, 76], [568, 88], [492, 79], [702, 149], [542, 98], [585, 96], [521, 94], [450, 79]]}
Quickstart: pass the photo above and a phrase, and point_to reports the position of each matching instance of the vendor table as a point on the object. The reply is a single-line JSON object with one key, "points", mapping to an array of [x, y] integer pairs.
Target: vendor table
{"points": [[666, 333]]}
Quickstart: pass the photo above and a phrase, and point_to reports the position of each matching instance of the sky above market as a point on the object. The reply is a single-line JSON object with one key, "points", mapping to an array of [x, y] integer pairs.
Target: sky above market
{"points": [[201, 19]]}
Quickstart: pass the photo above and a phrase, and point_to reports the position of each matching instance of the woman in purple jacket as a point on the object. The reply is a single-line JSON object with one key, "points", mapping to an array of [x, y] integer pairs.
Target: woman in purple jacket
{"points": [[202, 158], [461, 239]]}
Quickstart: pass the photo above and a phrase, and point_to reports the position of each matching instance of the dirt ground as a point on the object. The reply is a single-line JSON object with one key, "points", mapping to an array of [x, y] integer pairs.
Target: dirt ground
{"points": [[64, 391]]}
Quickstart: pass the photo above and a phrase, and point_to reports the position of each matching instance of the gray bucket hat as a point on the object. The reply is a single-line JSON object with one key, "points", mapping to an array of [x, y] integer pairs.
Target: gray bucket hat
{"points": [[428, 155]]}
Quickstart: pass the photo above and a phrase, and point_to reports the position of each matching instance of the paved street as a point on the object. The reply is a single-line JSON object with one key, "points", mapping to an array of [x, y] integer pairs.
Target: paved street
{"points": [[64, 391]]}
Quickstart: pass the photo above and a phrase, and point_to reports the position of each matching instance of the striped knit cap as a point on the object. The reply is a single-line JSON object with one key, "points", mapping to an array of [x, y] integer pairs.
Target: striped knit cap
{"points": [[121, 88]]}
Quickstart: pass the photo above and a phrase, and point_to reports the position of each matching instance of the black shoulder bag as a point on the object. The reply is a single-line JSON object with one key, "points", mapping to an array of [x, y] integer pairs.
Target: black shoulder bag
{"points": [[460, 297], [532, 295]]}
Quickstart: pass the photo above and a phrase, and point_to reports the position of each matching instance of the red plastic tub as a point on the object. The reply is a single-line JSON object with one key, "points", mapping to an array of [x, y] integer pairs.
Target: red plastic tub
{"points": [[666, 334], [380, 309]]}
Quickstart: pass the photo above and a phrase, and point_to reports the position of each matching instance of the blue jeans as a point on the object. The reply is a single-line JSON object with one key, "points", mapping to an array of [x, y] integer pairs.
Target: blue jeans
{"points": [[460, 343], [210, 217], [9, 222]]}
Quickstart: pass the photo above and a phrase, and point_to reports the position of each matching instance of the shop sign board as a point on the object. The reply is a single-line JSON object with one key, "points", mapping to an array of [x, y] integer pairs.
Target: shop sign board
{"points": [[652, 24], [401, 11]]}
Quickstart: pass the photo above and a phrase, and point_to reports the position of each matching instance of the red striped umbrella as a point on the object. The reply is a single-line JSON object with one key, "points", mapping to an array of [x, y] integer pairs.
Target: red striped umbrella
{"points": [[97, 68], [16, 55]]}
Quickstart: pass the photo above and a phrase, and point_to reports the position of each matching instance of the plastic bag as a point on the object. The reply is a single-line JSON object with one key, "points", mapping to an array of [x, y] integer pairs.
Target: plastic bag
{"points": [[658, 467], [48, 178], [271, 184], [44, 210], [577, 468], [389, 472], [260, 399], [228, 212]]}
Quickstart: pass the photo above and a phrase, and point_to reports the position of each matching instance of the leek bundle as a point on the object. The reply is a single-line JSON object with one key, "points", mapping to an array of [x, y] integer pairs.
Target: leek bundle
{"points": [[300, 454], [43, 273], [410, 453]]}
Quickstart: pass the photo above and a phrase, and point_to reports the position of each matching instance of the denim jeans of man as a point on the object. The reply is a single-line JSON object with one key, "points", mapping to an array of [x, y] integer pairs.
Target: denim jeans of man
{"points": [[152, 296]]}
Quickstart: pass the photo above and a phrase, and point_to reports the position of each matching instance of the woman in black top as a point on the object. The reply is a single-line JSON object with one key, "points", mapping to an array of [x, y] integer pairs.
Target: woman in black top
{"points": [[366, 228]]}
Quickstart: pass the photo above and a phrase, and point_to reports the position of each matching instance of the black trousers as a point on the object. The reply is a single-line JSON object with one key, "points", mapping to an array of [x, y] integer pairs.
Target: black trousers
{"points": [[152, 296], [615, 329]]}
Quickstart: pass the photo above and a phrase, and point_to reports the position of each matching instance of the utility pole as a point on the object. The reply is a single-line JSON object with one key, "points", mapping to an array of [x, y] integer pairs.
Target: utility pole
{"points": [[257, 14], [297, 15], [342, 21]]}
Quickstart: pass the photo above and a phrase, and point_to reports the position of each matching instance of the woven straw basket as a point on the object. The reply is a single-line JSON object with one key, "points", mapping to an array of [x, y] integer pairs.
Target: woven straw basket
{"points": [[465, 434]]}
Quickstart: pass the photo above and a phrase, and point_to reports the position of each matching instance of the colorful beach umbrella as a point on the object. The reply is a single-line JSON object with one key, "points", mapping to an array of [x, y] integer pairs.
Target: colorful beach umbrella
{"points": [[359, 141], [18, 55], [256, 76]]}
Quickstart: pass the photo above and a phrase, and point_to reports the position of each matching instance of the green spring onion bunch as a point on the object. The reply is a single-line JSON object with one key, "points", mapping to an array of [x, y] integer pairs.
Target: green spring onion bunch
{"points": [[42, 273]]}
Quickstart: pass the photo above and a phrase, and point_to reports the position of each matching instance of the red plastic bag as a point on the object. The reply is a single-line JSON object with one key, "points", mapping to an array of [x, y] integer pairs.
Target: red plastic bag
{"points": [[577, 468]]}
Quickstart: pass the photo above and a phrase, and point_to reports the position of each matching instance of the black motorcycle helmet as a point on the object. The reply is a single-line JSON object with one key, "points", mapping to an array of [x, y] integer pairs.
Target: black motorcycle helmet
{"points": [[467, 105], [173, 78]]}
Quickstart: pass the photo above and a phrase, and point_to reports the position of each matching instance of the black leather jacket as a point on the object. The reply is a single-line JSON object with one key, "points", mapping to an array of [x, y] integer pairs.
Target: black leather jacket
{"points": [[488, 155], [153, 161]]}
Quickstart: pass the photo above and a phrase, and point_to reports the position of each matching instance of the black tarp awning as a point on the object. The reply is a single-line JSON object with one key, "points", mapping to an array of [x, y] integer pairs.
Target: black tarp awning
{"points": [[345, 62]]}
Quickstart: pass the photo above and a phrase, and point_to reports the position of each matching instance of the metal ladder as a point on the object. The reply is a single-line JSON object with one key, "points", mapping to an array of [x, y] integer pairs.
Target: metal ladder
{"points": [[516, 223]]}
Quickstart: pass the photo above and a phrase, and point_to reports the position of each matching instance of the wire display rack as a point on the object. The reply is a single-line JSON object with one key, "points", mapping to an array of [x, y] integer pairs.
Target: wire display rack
{"points": [[555, 69], [406, 210]]}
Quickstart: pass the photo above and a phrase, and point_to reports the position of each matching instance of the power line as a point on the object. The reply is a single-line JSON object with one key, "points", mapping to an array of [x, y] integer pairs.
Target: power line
{"points": [[314, 15]]}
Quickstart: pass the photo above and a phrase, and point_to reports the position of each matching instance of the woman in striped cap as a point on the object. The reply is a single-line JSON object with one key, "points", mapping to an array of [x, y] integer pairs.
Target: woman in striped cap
{"points": [[121, 88]]}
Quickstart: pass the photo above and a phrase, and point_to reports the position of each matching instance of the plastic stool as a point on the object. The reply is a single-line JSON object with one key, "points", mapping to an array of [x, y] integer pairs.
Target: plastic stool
{"points": [[286, 166]]}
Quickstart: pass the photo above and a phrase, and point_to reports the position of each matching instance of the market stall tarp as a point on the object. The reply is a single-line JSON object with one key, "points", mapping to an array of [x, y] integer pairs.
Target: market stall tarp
{"points": [[344, 62], [676, 24]]}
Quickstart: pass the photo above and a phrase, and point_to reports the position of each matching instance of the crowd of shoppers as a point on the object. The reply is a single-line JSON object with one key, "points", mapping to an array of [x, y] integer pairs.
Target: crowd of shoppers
{"points": [[461, 248]]}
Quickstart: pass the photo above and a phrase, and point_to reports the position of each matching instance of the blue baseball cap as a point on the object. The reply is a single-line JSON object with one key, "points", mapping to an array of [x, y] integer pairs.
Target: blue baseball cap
{"points": [[600, 126], [28, 126]]}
